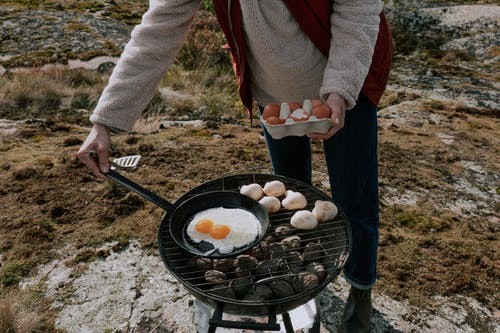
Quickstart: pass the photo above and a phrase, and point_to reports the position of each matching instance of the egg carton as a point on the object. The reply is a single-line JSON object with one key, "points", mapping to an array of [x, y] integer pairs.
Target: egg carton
{"points": [[298, 128]]}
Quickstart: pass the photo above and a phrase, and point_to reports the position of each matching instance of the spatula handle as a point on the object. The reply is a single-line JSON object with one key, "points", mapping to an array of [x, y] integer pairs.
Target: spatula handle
{"points": [[145, 193]]}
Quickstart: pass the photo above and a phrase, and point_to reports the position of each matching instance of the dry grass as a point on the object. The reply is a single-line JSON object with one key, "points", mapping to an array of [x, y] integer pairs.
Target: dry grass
{"points": [[15, 317], [44, 92]]}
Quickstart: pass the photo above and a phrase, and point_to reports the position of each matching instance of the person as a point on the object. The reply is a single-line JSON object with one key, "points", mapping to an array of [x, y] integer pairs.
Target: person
{"points": [[283, 51]]}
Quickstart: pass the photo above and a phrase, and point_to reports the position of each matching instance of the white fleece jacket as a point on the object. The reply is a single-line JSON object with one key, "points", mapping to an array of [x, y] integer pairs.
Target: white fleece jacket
{"points": [[164, 27]]}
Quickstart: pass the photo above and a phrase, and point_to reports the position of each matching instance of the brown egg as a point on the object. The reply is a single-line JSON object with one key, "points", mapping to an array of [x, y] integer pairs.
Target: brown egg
{"points": [[294, 106], [273, 120], [321, 111], [316, 102], [271, 110]]}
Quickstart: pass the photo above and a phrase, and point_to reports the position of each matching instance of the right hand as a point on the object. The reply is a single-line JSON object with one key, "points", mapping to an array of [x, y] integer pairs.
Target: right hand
{"points": [[99, 142]]}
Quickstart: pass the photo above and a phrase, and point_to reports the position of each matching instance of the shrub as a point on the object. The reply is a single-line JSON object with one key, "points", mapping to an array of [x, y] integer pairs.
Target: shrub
{"points": [[203, 46], [11, 273]]}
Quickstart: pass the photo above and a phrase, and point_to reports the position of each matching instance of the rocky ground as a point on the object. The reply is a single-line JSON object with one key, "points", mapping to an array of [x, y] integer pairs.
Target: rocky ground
{"points": [[80, 255]]}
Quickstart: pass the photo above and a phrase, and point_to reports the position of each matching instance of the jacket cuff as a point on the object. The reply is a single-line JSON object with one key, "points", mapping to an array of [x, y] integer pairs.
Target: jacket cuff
{"points": [[324, 92], [114, 125]]}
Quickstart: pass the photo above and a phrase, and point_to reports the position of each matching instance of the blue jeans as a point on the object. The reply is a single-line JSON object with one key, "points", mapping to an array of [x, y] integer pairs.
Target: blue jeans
{"points": [[351, 158]]}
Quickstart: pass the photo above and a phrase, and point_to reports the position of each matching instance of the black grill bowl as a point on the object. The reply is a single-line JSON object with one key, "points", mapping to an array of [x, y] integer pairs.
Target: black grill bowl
{"points": [[334, 235]]}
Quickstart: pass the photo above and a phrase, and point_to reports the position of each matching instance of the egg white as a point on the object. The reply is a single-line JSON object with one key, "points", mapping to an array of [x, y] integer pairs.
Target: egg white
{"points": [[245, 227]]}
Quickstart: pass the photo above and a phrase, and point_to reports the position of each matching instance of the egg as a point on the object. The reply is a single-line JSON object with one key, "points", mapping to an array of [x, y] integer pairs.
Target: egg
{"points": [[316, 102], [225, 228], [271, 110], [299, 115], [294, 106], [322, 111], [275, 121]]}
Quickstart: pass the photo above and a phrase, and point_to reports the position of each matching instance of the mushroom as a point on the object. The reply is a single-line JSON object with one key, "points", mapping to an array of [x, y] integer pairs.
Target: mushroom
{"points": [[304, 219], [274, 188], [318, 269], [271, 204], [215, 277], [253, 191], [291, 243], [201, 263], [284, 230], [324, 210], [294, 200], [245, 263], [223, 265]]}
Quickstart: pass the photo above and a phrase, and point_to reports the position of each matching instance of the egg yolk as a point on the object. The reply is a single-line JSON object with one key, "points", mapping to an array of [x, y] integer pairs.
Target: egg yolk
{"points": [[204, 226], [220, 231]]}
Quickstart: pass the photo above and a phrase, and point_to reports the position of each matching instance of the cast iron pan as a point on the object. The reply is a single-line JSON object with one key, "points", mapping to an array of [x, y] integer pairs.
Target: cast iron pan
{"points": [[183, 213]]}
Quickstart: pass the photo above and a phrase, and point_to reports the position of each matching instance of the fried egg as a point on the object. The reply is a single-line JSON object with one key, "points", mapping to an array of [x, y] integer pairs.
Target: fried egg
{"points": [[225, 228]]}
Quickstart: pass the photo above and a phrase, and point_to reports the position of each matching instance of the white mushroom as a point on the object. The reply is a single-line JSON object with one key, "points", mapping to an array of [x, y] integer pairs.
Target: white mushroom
{"points": [[274, 188], [294, 200], [304, 219], [284, 111], [271, 204], [253, 191], [324, 210]]}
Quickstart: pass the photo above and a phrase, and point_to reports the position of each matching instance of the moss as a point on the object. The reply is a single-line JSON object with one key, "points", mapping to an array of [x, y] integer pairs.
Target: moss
{"points": [[200, 133], [77, 26], [411, 218], [42, 230], [11, 273], [70, 142]]}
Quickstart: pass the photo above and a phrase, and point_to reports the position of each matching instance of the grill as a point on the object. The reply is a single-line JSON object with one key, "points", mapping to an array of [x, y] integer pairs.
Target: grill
{"points": [[332, 241]]}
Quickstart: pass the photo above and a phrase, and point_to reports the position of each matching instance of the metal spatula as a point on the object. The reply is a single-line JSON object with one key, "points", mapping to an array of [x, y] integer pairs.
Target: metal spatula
{"points": [[127, 162]]}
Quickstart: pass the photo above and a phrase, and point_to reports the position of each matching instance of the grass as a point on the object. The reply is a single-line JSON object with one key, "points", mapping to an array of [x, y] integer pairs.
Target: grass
{"points": [[418, 255], [202, 69], [16, 317], [41, 93]]}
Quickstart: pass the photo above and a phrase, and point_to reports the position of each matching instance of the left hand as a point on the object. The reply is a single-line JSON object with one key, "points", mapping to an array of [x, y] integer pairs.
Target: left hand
{"points": [[338, 106]]}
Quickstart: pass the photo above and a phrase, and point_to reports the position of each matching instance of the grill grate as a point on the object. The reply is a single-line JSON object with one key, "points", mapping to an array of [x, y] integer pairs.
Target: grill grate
{"points": [[333, 236]]}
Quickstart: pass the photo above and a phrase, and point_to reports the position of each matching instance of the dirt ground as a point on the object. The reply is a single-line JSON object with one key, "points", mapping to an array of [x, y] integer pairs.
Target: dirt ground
{"points": [[48, 199], [438, 167]]}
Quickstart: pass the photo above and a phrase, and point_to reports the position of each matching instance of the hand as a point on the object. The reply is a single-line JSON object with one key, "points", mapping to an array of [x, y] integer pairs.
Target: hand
{"points": [[338, 105], [97, 141]]}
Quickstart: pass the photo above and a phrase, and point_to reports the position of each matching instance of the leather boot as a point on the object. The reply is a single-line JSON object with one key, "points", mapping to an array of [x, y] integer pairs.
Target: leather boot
{"points": [[357, 312]]}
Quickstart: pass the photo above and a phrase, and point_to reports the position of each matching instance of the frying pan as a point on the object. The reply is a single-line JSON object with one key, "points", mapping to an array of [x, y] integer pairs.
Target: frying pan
{"points": [[182, 214]]}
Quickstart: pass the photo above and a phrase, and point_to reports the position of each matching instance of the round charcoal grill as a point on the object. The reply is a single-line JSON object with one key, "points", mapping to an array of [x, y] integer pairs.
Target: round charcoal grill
{"points": [[334, 237]]}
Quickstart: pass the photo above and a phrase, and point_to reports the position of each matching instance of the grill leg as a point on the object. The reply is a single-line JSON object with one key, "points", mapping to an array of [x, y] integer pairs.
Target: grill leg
{"points": [[217, 316], [317, 319], [288, 322]]}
